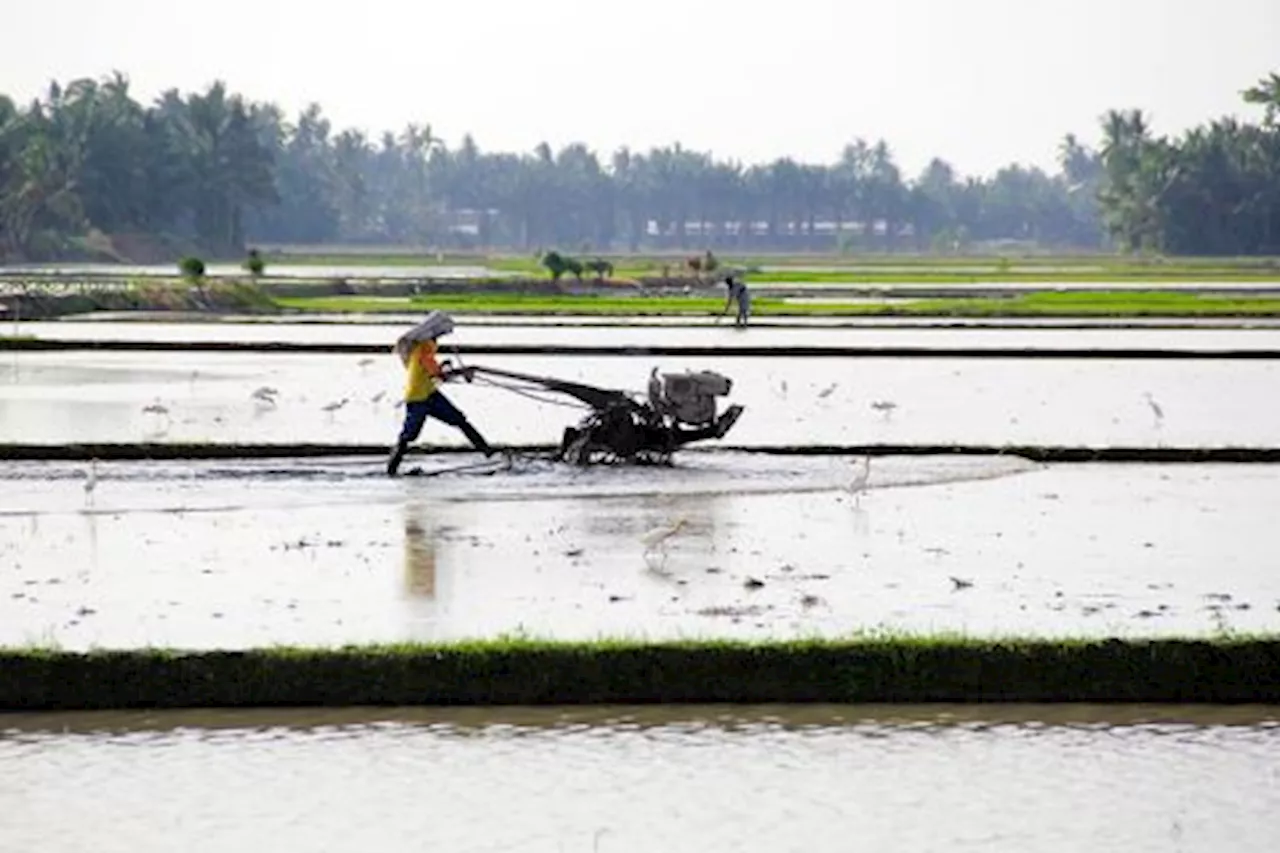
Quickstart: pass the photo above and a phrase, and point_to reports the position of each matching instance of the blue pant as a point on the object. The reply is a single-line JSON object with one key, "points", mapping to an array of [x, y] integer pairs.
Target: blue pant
{"points": [[439, 407]]}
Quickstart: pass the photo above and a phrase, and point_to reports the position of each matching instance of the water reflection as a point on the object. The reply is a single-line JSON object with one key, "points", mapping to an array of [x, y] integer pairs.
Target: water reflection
{"points": [[973, 716], [419, 553]]}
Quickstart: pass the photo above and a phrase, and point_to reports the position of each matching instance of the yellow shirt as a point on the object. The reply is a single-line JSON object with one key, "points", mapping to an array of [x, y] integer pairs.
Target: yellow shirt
{"points": [[424, 370]]}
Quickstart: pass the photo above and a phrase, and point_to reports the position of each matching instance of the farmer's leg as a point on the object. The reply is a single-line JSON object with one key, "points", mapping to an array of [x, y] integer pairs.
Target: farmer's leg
{"points": [[442, 409], [415, 415]]}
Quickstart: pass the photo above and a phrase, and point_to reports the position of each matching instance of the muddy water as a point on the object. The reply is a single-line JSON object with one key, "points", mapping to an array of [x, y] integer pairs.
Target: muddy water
{"points": [[1212, 339], [50, 397], [247, 554], [626, 779]]}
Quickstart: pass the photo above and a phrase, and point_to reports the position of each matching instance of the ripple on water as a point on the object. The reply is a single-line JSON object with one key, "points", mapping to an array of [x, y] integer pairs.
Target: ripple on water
{"points": [[643, 779]]}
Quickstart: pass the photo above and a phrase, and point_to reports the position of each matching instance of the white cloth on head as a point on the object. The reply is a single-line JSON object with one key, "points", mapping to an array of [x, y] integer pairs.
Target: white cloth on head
{"points": [[436, 324]]}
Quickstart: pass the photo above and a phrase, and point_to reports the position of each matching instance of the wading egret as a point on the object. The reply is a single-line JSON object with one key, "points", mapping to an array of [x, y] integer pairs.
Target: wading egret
{"points": [[860, 477], [1155, 407], [91, 481], [659, 535]]}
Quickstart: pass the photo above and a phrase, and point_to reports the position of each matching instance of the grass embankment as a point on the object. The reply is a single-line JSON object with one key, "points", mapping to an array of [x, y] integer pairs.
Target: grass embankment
{"points": [[1069, 304], [1010, 276], [931, 271], [1108, 267], [524, 672], [209, 296]]}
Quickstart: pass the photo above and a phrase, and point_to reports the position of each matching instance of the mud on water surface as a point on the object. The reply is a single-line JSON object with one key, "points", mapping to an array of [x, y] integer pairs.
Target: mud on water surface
{"points": [[320, 552]]}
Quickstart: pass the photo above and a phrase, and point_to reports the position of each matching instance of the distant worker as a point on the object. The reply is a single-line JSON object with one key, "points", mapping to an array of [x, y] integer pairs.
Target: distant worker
{"points": [[417, 350], [738, 291]]}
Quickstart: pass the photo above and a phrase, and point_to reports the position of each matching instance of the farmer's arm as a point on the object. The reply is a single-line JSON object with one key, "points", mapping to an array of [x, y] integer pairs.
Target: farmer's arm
{"points": [[427, 358], [443, 372]]}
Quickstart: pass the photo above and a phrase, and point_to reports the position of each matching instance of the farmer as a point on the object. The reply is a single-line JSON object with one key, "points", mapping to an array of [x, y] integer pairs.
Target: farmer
{"points": [[422, 397], [738, 291]]}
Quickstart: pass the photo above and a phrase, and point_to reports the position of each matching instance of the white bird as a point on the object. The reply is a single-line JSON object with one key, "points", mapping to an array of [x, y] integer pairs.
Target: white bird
{"points": [[659, 535], [859, 483], [91, 481], [655, 388], [884, 406], [265, 396], [1155, 407], [160, 410]]}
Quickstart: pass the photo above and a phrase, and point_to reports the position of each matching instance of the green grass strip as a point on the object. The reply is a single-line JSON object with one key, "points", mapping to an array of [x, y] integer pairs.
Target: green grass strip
{"points": [[925, 269], [532, 672], [1044, 304]]}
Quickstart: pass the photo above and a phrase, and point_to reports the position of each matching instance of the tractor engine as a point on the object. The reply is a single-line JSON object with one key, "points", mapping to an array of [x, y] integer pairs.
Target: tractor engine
{"points": [[690, 398]]}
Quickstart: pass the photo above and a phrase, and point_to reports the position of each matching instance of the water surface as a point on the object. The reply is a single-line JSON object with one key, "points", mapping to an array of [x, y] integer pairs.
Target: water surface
{"points": [[469, 332], [624, 779], [85, 396], [241, 554]]}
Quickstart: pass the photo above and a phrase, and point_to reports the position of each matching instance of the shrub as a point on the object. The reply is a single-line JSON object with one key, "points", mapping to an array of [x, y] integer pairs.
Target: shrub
{"points": [[559, 264], [255, 264], [602, 268], [554, 264], [192, 267]]}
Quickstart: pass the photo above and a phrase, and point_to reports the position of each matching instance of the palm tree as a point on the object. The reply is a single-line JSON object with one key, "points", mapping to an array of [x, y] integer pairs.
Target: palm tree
{"points": [[1267, 93]]}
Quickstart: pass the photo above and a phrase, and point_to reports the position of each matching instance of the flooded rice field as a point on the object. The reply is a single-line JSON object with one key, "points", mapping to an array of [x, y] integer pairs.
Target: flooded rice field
{"points": [[823, 778], [569, 320], [237, 554], [89, 396], [470, 332], [235, 270]]}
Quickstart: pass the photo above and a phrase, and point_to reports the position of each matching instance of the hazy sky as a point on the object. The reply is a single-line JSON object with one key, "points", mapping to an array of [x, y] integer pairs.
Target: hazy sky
{"points": [[979, 82]]}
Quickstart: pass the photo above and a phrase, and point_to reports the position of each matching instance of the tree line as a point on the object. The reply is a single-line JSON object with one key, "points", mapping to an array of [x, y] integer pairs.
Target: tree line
{"points": [[222, 171]]}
